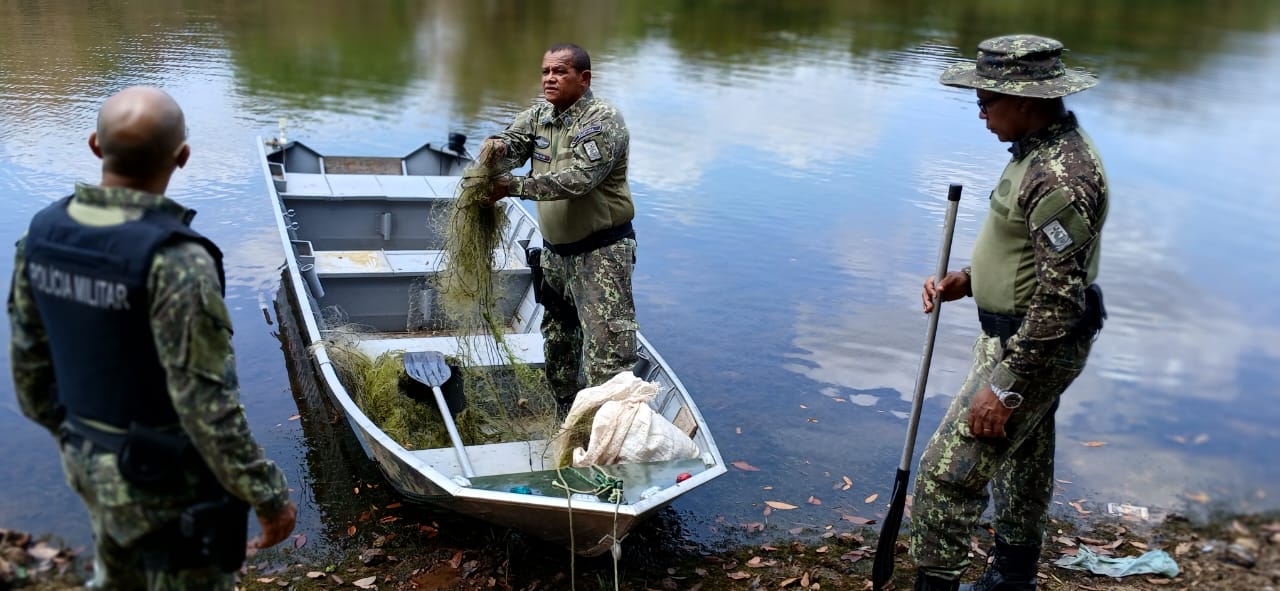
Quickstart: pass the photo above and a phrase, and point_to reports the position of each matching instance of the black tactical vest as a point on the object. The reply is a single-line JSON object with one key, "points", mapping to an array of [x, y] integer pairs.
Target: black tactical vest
{"points": [[90, 287]]}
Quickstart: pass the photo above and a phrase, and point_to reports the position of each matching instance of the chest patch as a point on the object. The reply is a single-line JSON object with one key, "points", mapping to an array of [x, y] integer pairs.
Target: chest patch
{"points": [[1058, 237], [541, 142], [1005, 185], [539, 156], [593, 151]]}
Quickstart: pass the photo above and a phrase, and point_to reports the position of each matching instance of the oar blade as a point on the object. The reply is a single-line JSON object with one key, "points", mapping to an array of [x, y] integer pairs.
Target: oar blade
{"points": [[882, 568]]}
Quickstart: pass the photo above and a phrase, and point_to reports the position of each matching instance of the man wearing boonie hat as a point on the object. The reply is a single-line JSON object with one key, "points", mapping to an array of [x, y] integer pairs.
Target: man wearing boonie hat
{"points": [[1032, 276]]}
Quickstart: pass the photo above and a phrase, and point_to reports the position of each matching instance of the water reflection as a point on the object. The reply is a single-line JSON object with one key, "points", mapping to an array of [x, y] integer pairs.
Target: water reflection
{"points": [[789, 162]]}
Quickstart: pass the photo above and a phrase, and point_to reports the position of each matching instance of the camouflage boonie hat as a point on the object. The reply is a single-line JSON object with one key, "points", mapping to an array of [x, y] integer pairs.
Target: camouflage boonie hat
{"points": [[1021, 65]]}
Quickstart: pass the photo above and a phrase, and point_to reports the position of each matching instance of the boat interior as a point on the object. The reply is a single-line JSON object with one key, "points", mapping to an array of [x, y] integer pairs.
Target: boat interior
{"points": [[367, 232]]}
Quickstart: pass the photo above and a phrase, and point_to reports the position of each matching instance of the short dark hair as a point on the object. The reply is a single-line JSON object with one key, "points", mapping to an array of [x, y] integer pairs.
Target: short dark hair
{"points": [[581, 61]]}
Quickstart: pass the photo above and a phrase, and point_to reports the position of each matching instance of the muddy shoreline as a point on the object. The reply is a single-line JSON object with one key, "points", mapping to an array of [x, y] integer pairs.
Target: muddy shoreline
{"points": [[401, 547]]}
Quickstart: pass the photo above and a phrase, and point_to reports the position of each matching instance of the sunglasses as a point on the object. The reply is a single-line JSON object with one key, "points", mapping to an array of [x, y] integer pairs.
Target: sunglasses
{"points": [[983, 104]]}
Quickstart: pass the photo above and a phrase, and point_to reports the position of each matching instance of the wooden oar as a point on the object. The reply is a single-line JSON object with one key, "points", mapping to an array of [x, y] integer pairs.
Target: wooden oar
{"points": [[882, 569], [429, 367]]}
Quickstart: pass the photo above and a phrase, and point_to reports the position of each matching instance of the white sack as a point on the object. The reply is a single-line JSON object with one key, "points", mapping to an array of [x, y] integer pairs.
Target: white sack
{"points": [[625, 429]]}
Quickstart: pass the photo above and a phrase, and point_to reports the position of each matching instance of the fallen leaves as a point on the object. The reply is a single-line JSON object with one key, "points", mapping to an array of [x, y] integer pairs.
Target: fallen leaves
{"points": [[814, 500], [741, 465], [758, 562], [1080, 508], [779, 505], [1093, 443], [365, 583], [856, 520], [299, 540], [872, 498]]}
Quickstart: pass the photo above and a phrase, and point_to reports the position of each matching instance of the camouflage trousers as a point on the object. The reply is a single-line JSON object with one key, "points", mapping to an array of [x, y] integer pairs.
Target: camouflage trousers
{"points": [[589, 326], [956, 468], [121, 518]]}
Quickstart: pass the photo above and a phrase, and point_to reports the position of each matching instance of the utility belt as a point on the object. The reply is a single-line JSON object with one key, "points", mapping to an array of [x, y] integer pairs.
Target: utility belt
{"points": [[596, 240], [1003, 326], [211, 532], [553, 303]]}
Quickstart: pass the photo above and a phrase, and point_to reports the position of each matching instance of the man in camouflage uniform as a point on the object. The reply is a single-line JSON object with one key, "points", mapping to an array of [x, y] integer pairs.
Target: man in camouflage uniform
{"points": [[1032, 276], [121, 348], [579, 147]]}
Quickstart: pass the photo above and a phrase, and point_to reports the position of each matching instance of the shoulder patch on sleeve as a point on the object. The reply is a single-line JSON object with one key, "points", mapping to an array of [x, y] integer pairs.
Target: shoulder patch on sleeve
{"points": [[585, 133], [593, 151], [1063, 226], [1058, 237]]}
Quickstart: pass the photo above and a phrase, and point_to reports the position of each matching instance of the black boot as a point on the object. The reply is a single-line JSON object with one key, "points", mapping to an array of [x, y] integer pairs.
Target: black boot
{"points": [[1014, 569], [925, 582]]}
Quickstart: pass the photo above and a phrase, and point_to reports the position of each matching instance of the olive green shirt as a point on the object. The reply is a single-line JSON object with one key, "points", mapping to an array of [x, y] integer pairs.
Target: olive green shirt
{"points": [[192, 332], [1039, 246]]}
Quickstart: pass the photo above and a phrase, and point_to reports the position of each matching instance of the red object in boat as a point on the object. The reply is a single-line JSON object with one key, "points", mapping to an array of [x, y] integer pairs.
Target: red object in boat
{"points": [[683, 476]]}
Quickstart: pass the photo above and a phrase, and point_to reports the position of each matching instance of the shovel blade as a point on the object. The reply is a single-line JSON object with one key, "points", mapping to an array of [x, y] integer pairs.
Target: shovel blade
{"points": [[428, 367]]}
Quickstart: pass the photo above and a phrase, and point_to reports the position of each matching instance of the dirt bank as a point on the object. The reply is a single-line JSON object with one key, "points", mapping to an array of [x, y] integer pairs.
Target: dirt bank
{"points": [[400, 548]]}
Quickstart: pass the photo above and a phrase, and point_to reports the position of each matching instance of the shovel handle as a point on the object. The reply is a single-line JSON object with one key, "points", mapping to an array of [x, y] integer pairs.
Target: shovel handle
{"points": [[447, 414]]}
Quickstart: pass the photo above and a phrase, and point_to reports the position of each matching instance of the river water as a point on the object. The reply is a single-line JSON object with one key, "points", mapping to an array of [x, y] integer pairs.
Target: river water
{"points": [[789, 165]]}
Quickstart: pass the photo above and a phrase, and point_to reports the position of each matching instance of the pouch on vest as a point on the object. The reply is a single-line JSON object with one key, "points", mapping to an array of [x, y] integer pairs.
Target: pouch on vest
{"points": [[151, 458], [533, 256], [1095, 311]]}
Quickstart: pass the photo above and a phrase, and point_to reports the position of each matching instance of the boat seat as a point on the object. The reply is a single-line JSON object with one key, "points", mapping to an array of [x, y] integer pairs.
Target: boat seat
{"points": [[396, 263], [298, 184], [526, 347]]}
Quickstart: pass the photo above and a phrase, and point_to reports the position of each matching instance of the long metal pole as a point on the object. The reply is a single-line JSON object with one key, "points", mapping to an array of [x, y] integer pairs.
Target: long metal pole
{"points": [[882, 569]]}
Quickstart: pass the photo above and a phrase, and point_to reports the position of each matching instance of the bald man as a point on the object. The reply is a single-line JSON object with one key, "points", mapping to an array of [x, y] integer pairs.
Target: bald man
{"points": [[121, 348]]}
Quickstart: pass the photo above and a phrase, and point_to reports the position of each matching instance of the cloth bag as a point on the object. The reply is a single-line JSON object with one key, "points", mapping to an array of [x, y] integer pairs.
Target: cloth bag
{"points": [[625, 429]]}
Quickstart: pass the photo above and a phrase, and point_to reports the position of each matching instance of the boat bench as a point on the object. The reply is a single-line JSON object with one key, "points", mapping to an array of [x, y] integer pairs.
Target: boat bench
{"points": [[300, 184], [526, 347], [396, 263]]}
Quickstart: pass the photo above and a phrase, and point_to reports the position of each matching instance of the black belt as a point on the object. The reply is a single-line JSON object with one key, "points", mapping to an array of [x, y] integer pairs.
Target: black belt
{"points": [[1003, 326], [76, 432], [596, 240]]}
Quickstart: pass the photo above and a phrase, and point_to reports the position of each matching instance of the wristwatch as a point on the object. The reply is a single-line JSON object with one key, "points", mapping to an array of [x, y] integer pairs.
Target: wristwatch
{"points": [[1010, 400]]}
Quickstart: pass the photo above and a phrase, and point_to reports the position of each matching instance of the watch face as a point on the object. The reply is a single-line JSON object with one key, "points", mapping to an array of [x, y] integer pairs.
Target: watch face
{"points": [[1011, 400]]}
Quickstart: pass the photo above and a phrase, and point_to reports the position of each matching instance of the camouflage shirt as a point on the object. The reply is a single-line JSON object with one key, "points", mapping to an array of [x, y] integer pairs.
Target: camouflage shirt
{"points": [[192, 331], [1039, 247], [578, 173]]}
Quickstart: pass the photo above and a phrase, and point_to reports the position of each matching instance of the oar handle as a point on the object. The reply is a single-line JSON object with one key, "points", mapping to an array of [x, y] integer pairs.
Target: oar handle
{"points": [[922, 377]]}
